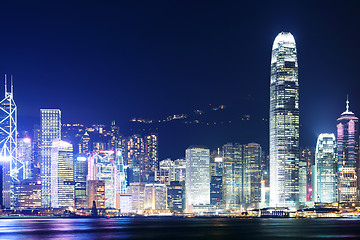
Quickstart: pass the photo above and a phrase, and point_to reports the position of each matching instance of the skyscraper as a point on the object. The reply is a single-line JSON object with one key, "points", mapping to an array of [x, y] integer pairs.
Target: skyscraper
{"points": [[84, 147], [326, 175], [347, 152], [11, 166], [197, 182], [95, 193], [24, 155], [252, 159], [306, 166], [233, 175], [216, 178], [50, 130], [80, 174], [62, 176], [284, 122], [155, 196], [152, 151], [175, 196], [103, 166]]}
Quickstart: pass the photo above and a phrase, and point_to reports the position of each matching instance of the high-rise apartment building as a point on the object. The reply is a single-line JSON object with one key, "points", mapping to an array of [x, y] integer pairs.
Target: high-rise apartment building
{"points": [[197, 182], [152, 151], [348, 155], [284, 123], [326, 174], [50, 130], [62, 175]]}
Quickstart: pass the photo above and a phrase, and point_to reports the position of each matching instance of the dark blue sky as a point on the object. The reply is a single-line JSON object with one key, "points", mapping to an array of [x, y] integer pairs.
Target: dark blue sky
{"points": [[104, 60]]}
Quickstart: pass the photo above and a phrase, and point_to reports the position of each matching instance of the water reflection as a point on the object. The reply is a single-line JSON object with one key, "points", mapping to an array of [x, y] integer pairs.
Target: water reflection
{"points": [[179, 228]]}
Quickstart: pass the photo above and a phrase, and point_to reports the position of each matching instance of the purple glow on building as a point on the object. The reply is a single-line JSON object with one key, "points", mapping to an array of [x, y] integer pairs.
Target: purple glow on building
{"points": [[340, 130], [351, 127]]}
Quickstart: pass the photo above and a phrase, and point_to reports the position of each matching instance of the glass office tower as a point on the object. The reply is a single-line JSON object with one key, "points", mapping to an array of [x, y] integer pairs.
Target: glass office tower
{"points": [[284, 123], [325, 185], [50, 130], [348, 157], [197, 182]]}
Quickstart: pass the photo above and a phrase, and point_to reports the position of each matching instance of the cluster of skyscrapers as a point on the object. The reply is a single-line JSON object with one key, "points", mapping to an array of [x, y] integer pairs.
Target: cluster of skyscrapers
{"points": [[298, 178], [69, 166]]}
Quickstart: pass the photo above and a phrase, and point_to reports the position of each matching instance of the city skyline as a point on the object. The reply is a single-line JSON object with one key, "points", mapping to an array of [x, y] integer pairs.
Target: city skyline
{"points": [[156, 66], [179, 119]]}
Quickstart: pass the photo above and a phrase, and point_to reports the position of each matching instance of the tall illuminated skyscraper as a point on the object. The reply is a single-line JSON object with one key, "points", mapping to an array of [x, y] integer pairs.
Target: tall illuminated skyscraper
{"points": [[252, 182], [284, 123], [50, 130], [62, 175], [348, 156], [84, 144], [233, 176], [152, 151], [306, 164], [197, 182], [80, 175], [9, 162], [326, 175]]}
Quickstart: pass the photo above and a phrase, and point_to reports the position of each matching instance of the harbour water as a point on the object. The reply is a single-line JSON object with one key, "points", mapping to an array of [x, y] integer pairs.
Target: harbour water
{"points": [[179, 228]]}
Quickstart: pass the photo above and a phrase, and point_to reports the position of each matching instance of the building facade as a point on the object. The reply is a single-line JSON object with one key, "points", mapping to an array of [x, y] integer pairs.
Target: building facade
{"points": [[80, 175], [50, 130], [136, 190], [284, 123], [348, 155], [252, 158], [197, 182], [10, 165], [233, 176], [25, 156], [307, 161], [95, 193], [29, 194], [175, 197], [62, 175], [216, 178], [102, 166], [155, 196], [326, 174]]}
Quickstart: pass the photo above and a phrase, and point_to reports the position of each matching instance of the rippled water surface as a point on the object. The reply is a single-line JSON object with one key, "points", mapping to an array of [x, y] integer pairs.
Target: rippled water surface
{"points": [[179, 228]]}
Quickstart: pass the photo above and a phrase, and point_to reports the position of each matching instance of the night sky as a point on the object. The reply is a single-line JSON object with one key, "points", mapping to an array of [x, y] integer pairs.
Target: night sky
{"points": [[104, 60]]}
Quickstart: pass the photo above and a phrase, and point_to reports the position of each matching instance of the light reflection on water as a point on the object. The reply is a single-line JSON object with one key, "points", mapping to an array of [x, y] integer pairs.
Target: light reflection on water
{"points": [[179, 228]]}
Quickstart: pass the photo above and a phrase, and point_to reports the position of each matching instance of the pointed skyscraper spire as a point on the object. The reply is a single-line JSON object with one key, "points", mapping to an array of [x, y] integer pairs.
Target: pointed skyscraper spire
{"points": [[347, 111], [12, 85], [5, 85]]}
